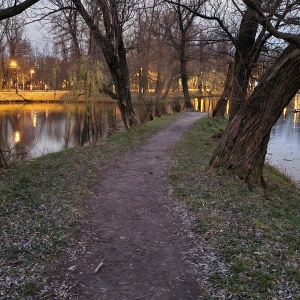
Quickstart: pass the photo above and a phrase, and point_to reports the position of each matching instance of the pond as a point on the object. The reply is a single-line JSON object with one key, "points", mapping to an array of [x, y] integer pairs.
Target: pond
{"points": [[31, 130], [284, 146], [35, 129]]}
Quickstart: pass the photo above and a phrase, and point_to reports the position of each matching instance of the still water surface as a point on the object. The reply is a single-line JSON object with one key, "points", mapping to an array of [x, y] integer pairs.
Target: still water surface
{"points": [[284, 145], [31, 130]]}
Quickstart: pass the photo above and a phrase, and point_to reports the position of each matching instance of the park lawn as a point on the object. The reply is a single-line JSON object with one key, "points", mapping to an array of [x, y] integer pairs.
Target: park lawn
{"points": [[40, 207], [255, 233], [33, 96]]}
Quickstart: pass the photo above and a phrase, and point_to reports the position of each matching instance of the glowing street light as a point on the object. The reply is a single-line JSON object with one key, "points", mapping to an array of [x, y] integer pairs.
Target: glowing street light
{"points": [[31, 74], [13, 64]]}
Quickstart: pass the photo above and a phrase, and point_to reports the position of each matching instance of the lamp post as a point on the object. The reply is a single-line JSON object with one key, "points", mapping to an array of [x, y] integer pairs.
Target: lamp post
{"points": [[14, 65], [31, 74]]}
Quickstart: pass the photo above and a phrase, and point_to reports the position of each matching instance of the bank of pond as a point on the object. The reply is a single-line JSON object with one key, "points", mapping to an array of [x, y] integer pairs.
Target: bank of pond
{"points": [[34, 129]]}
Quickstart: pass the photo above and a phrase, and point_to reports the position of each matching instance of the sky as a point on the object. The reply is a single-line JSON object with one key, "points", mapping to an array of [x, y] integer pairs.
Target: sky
{"points": [[34, 31], [38, 35]]}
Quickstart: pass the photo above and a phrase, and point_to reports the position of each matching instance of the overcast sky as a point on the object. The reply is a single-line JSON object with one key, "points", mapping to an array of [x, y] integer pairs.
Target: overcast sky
{"points": [[36, 32], [37, 35], [33, 31]]}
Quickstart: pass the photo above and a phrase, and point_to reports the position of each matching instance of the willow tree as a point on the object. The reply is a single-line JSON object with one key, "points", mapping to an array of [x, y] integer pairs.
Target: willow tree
{"points": [[108, 34]]}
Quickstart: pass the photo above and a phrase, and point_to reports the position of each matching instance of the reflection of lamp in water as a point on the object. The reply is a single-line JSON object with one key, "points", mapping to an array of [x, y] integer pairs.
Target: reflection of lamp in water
{"points": [[297, 103], [202, 105], [284, 112], [17, 136]]}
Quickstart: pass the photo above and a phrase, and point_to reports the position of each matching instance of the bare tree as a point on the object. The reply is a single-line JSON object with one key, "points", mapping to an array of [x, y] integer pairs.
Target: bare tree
{"points": [[220, 108], [69, 32], [161, 56], [147, 17], [14, 34], [243, 146], [180, 33], [2, 56], [248, 43], [15, 48], [109, 36]]}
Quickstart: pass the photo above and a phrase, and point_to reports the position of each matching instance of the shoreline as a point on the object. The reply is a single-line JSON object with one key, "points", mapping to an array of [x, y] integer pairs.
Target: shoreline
{"points": [[58, 96], [46, 96], [32, 96]]}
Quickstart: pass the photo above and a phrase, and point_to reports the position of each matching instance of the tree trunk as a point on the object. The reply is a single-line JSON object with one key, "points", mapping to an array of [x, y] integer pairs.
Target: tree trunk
{"points": [[243, 61], [220, 109], [184, 77], [2, 79], [243, 145], [144, 78], [120, 75], [159, 86], [112, 45], [169, 83]]}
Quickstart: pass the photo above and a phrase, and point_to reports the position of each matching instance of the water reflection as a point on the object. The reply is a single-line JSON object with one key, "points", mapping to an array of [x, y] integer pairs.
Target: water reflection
{"points": [[31, 130], [284, 146], [206, 104]]}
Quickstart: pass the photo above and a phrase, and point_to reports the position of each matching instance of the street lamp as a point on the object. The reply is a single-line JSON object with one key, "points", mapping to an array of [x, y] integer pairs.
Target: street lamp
{"points": [[14, 65], [31, 73]]}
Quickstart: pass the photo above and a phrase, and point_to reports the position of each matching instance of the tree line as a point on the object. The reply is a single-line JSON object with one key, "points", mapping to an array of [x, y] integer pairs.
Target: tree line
{"points": [[255, 42]]}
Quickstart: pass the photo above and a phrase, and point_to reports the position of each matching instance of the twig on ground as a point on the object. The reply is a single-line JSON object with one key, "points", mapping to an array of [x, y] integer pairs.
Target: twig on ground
{"points": [[100, 264]]}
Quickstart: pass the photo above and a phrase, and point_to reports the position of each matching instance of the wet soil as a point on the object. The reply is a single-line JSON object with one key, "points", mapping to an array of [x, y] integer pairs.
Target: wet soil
{"points": [[136, 232]]}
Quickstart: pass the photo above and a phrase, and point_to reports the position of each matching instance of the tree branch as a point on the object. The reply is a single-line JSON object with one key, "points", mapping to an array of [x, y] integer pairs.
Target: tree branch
{"points": [[203, 16], [264, 21], [11, 11]]}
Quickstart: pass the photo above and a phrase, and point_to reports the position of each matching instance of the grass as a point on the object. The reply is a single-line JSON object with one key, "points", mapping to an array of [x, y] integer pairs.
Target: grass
{"points": [[40, 207], [257, 234]]}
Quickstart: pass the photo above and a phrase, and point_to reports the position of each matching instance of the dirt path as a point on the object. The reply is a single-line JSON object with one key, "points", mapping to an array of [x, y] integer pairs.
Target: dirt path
{"points": [[137, 229]]}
